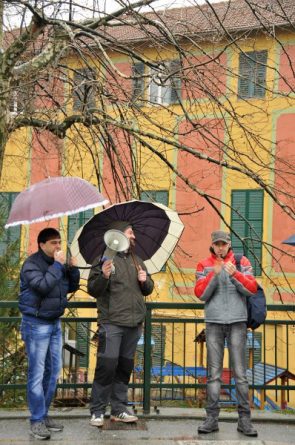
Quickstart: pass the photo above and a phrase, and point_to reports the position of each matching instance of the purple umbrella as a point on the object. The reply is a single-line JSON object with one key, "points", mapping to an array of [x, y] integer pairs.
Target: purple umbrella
{"points": [[53, 198]]}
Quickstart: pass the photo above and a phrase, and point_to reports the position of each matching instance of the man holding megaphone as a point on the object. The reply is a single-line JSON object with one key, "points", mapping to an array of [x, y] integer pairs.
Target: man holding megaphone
{"points": [[119, 284]]}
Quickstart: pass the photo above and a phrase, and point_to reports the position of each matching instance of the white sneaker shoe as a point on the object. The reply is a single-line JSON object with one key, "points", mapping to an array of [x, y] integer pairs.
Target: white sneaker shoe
{"points": [[124, 417], [97, 420]]}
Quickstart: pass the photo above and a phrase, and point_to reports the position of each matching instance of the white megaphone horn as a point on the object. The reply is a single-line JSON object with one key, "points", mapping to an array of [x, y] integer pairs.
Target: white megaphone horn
{"points": [[115, 241]]}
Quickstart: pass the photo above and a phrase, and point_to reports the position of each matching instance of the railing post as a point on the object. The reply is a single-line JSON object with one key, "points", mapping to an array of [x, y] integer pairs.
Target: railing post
{"points": [[147, 356]]}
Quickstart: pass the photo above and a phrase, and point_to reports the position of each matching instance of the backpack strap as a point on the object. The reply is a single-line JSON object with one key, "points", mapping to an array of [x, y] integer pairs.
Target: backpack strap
{"points": [[238, 258]]}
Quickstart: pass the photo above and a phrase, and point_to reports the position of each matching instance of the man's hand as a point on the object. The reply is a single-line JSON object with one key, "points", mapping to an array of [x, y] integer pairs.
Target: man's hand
{"points": [[73, 261], [107, 268], [141, 275], [230, 268], [218, 266], [60, 257]]}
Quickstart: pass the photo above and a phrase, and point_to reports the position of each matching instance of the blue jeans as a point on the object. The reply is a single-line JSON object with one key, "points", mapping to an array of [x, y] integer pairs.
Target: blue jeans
{"points": [[236, 336], [43, 345]]}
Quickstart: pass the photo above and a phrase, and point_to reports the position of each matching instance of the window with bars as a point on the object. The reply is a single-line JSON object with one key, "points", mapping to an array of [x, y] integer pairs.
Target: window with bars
{"points": [[252, 74], [11, 236], [84, 89], [247, 222], [165, 86]]}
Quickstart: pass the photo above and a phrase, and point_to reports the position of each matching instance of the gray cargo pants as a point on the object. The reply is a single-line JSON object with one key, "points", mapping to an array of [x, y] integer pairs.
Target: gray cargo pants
{"points": [[115, 362]]}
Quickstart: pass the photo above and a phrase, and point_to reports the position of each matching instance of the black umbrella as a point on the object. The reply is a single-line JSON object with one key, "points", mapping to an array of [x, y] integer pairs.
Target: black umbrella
{"points": [[156, 227], [290, 240]]}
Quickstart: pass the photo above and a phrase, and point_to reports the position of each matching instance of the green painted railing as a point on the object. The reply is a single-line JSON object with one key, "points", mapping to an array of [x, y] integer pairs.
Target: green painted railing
{"points": [[169, 365]]}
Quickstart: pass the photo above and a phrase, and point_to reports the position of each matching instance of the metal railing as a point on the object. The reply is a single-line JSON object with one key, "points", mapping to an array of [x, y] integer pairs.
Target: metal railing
{"points": [[170, 363]]}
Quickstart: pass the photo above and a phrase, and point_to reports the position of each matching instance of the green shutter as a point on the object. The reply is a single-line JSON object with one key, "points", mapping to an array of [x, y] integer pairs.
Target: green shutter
{"points": [[244, 76], [175, 82], [9, 237], [160, 196], [138, 81], [252, 74], [76, 221], [82, 343], [247, 221], [260, 73], [84, 90]]}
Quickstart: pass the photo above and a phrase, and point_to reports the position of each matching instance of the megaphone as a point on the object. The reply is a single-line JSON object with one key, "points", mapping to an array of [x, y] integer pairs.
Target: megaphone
{"points": [[115, 241]]}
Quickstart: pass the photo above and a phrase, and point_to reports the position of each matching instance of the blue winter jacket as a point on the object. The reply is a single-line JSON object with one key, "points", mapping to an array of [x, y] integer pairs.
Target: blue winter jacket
{"points": [[44, 285]]}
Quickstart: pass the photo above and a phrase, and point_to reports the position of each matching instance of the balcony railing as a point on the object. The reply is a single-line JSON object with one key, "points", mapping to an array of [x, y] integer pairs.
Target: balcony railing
{"points": [[170, 362]]}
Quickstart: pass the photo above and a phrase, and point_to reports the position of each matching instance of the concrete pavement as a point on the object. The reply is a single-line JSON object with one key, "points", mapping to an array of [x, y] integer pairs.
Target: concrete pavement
{"points": [[177, 426]]}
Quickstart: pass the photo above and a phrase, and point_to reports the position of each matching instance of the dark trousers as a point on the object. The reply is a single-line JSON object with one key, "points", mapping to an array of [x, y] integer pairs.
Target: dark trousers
{"points": [[115, 362]]}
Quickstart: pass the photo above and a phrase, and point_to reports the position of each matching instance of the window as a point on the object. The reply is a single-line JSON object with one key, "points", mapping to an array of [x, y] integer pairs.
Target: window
{"points": [[76, 221], [19, 101], [84, 89], [11, 236], [137, 81], [160, 196], [165, 86], [252, 74], [247, 221]]}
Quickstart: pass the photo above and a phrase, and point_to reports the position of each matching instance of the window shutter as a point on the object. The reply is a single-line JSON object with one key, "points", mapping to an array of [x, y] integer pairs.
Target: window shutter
{"points": [[260, 75], [244, 76], [84, 90], [247, 221], [10, 236], [175, 82], [138, 82], [160, 196], [76, 221], [82, 343], [252, 74], [154, 88]]}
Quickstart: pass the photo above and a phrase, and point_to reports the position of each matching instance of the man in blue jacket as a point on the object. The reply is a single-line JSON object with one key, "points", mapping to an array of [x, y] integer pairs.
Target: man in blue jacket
{"points": [[45, 282]]}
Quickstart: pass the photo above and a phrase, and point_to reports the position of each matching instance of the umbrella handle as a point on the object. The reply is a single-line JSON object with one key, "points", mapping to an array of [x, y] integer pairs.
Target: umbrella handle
{"points": [[134, 260]]}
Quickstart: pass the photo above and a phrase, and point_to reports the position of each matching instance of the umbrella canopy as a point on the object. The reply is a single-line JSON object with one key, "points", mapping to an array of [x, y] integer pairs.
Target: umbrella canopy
{"points": [[156, 227], [290, 240], [52, 198]]}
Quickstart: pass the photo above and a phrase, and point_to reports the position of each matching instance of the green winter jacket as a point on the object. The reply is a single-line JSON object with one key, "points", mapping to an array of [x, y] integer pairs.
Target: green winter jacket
{"points": [[120, 298]]}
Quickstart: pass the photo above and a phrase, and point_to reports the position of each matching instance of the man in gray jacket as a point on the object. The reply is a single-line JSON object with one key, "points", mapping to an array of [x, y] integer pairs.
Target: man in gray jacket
{"points": [[119, 287], [224, 290]]}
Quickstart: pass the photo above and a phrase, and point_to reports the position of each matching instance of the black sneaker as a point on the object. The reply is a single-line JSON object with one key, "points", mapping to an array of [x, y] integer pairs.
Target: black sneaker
{"points": [[209, 425], [53, 425], [39, 431], [245, 426]]}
